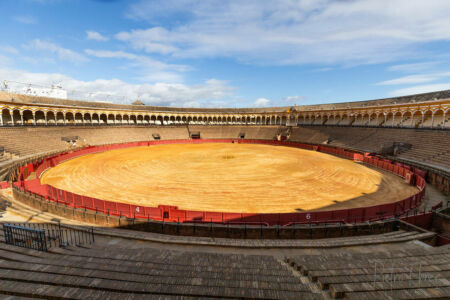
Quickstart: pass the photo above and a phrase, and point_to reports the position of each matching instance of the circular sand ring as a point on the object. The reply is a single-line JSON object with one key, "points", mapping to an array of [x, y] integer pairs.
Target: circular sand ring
{"points": [[245, 178]]}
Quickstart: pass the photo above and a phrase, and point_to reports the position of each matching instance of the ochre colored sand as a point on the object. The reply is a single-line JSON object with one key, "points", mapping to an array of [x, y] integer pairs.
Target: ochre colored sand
{"points": [[228, 178]]}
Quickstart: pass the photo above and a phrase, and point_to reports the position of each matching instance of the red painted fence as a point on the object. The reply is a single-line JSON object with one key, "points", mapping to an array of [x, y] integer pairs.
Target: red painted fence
{"points": [[172, 213]]}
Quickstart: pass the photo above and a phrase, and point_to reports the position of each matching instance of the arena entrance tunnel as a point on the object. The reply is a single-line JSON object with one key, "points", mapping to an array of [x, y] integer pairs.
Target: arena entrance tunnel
{"points": [[170, 213]]}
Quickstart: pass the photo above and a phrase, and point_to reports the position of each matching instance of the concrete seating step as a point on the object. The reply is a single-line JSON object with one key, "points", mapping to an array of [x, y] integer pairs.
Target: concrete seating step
{"points": [[160, 279], [418, 294], [213, 273], [338, 290], [313, 275], [140, 288], [11, 297], [324, 282], [314, 265], [33, 290]]}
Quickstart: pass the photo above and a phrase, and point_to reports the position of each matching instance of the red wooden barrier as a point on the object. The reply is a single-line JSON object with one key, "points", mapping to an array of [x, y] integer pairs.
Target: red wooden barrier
{"points": [[422, 220], [442, 240]]}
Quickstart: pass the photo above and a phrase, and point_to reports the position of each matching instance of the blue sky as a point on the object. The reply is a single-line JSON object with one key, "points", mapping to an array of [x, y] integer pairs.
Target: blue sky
{"points": [[219, 53]]}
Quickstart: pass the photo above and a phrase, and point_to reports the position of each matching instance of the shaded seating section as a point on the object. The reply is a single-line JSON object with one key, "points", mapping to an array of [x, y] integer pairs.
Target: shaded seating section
{"points": [[428, 146], [215, 132], [145, 274], [232, 132], [30, 141], [400, 274]]}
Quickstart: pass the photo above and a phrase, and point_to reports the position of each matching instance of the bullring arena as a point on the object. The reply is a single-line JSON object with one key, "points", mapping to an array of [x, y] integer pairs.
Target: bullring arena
{"points": [[333, 201], [227, 177]]}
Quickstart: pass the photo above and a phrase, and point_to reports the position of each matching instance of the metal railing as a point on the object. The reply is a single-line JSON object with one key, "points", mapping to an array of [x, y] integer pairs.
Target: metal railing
{"points": [[25, 237], [42, 236]]}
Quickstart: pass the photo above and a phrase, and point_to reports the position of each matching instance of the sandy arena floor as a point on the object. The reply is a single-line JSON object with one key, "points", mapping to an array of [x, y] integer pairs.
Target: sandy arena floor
{"points": [[228, 178]]}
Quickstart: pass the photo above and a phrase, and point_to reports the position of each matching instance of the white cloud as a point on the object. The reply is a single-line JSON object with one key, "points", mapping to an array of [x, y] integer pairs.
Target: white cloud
{"points": [[62, 53], [28, 20], [413, 79], [286, 101], [261, 102], [291, 32], [325, 69], [4, 60], [421, 89], [9, 49], [110, 54], [294, 99], [38, 61], [153, 40], [413, 67], [118, 91], [151, 70], [148, 61], [94, 35]]}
